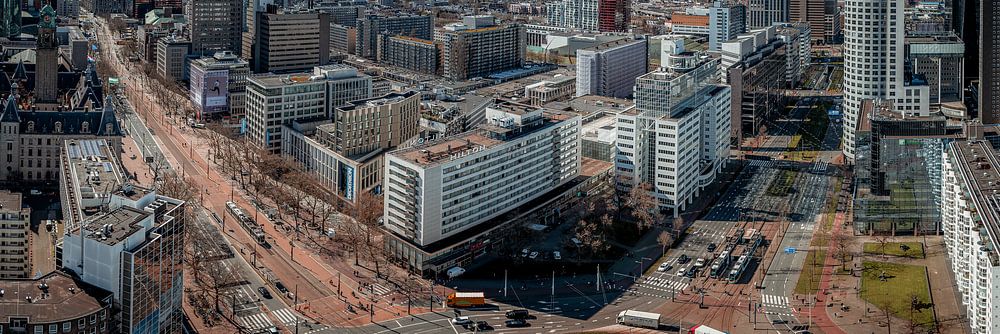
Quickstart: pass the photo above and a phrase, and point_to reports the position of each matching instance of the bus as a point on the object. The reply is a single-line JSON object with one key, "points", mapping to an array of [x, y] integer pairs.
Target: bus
{"points": [[248, 224]]}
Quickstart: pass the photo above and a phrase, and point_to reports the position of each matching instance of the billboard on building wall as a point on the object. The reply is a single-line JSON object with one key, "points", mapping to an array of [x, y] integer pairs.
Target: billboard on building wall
{"points": [[216, 90], [347, 181]]}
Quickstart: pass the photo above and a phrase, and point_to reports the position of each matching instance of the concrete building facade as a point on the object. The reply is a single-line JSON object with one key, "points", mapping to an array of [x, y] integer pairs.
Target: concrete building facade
{"points": [[726, 20], [414, 54], [214, 26], [171, 58], [478, 47], [291, 42], [15, 223], [219, 86], [610, 69], [371, 26]]}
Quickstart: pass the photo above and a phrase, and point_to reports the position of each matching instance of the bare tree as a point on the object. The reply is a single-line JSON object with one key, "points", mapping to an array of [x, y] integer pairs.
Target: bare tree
{"points": [[665, 240], [643, 205]]}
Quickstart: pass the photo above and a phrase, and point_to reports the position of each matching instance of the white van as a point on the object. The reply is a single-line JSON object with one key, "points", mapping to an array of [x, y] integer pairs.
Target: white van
{"points": [[455, 272]]}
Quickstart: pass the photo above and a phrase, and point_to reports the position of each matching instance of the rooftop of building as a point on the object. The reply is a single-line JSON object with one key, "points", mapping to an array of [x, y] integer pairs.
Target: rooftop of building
{"points": [[52, 298], [978, 161], [613, 44], [413, 39], [378, 101], [445, 149], [10, 201], [115, 226], [588, 105]]}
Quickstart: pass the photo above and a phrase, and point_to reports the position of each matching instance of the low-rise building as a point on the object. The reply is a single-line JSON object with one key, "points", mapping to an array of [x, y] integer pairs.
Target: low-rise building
{"points": [[55, 303], [693, 21], [559, 88]]}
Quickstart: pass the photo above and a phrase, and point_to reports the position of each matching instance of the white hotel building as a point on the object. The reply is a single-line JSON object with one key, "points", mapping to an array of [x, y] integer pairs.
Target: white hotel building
{"points": [[971, 225], [676, 137], [436, 190]]}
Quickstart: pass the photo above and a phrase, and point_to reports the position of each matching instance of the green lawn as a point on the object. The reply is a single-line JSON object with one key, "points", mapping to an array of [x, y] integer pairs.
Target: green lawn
{"points": [[812, 268], [895, 294], [916, 249]]}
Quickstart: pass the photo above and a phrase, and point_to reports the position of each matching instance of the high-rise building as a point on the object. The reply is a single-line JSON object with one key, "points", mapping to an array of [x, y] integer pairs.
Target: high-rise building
{"points": [[104, 7], [610, 69], [132, 246], [614, 15], [68, 8], [10, 18], [214, 26], [874, 66], [290, 42], [478, 47], [573, 14], [171, 57], [971, 228], [219, 85], [676, 138], [252, 10], [755, 66], [814, 13], [726, 20], [371, 26], [343, 39], [522, 153], [414, 54], [345, 14], [939, 60], [47, 58], [798, 48], [346, 154], [764, 13], [989, 62], [15, 223], [274, 100]]}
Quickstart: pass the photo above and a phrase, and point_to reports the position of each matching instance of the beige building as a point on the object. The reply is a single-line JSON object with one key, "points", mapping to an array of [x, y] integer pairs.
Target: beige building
{"points": [[557, 89], [171, 58], [290, 42], [14, 235]]}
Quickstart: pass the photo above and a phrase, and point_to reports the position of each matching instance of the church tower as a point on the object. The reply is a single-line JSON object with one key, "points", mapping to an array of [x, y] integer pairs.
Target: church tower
{"points": [[47, 57]]}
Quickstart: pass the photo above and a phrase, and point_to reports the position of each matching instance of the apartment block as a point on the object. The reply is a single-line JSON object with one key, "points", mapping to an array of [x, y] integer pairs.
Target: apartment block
{"points": [[610, 69], [676, 137], [15, 223], [478, 47], [971, 227], [414, 54], [214, 26], [726, 20], [371, 26]]}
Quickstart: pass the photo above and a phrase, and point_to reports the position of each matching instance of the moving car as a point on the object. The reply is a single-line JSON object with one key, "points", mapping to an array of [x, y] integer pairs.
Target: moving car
{"points": [[517, 314], [663, 267], [533, 255], [264, 293], [461, 320], [711, 247], [281, 287], [516, 323], [683, 259], [556, 255], [682, 272], [483, 326], [524, 252]]}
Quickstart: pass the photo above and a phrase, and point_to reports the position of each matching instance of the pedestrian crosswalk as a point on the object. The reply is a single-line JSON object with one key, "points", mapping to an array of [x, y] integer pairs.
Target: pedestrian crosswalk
{"points": [[819, 167], [761, 163], [664, 284], [772, 300], [256, 322], [286, 316], [379, 289]]}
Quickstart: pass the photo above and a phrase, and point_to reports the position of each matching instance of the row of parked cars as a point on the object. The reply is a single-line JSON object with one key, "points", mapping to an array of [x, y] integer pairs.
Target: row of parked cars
{"points": [[556, 255], [683, 271]]}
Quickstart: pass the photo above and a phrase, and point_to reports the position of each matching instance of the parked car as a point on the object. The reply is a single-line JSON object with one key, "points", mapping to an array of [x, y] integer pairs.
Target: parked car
{"points": [[513, 323], [556, 255], [664, 267], [524, 252], [683, 259], [264, 293], [281, 287], [533, 255], [483, 326], [461, 320], [517, 314]]}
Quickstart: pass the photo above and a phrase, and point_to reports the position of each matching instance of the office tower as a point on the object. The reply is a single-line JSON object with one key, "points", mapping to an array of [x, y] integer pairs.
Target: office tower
{"points": [[725, 21], [132, 245], [68, 8], [414, 54], [756, 67], [214, 26], [171, 57], [764, 13], [614, 15], [291, 42], [219, 86], [15, 223], [10, 18], [371, 26], [47, 58], [874, 64], [989, 62], [971, 224], [610, 69], [676, 138], [523, 153], [940, 61], [814, 13], [249, 38], [346, 154], [104, 7], [574, 14], [301, 96], [477, 48], [343, 14]]}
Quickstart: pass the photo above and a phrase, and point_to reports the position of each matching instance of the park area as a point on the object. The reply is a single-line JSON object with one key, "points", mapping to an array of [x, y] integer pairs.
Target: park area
{"points": [[914, 250], [900, 289]]}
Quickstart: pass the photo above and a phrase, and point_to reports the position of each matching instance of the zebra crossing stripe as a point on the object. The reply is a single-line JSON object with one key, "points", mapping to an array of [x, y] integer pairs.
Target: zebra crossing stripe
{"points": [[774, 300], [257, 321], [286, 316]]}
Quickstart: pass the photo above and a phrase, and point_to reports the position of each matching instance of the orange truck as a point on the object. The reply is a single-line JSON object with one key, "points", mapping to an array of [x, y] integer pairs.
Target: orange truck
{"points": [[466, 299]]}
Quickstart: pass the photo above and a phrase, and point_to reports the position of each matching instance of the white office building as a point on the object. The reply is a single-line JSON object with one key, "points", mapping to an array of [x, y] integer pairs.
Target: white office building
{"points": [[726, 20], [573, 14], [439, 189], [874, 54], [971, 225], [610, 69], [676, 138]]}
